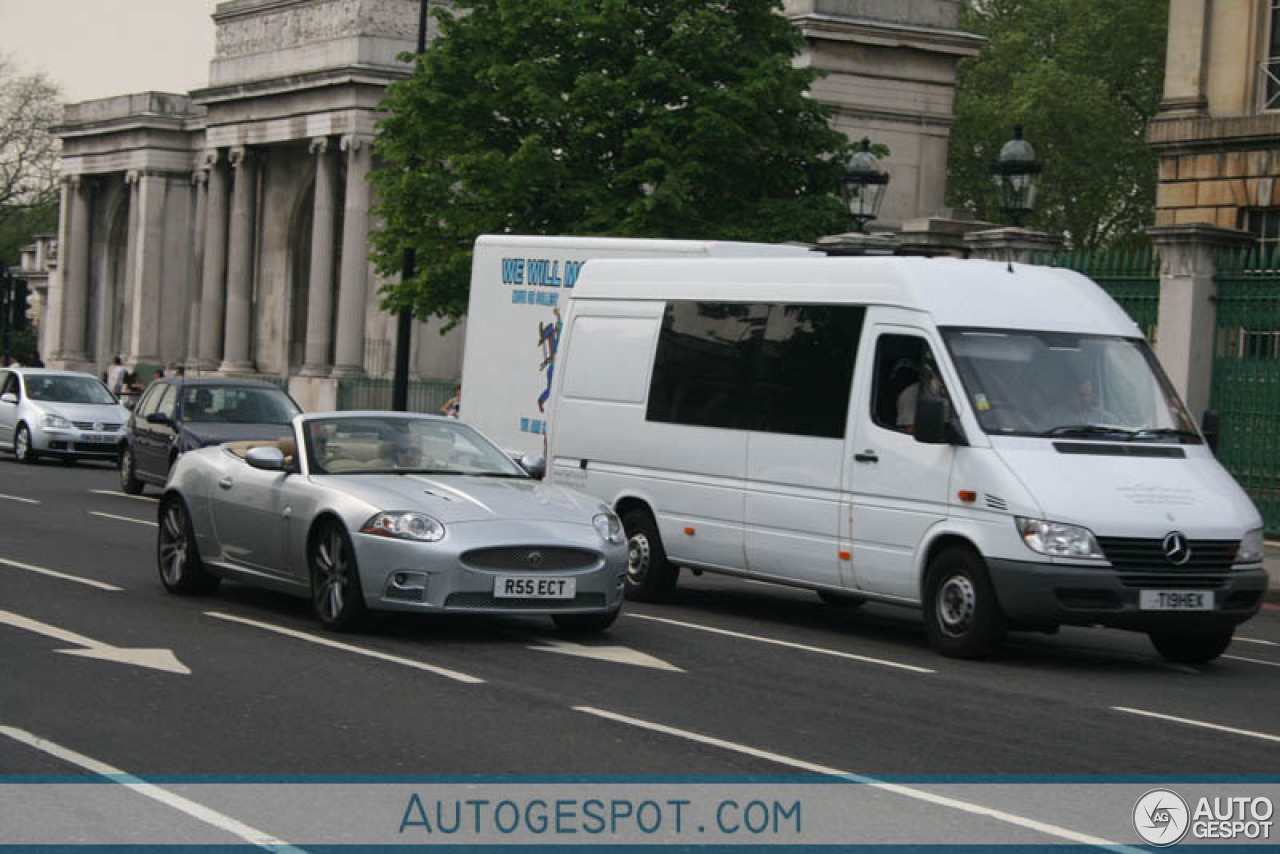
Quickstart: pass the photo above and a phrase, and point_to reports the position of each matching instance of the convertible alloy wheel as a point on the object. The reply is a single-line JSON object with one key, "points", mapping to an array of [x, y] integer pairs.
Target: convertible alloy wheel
{"points": [[335, 581], [181, 570]]}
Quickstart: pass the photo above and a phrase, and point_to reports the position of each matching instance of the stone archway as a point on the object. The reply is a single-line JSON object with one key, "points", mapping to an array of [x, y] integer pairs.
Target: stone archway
{"points": [[107, 301]]}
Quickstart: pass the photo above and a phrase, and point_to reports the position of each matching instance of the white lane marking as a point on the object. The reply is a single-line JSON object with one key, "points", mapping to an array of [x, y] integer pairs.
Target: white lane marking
{"points": [[820, 650], [1257, 640], [895, 788], [149, 790], [156, 659], [19, 498], [1253, 660], [53, 573], [124, 518], [614, 654], [346, 647], [119, 494], [1202, 724]]}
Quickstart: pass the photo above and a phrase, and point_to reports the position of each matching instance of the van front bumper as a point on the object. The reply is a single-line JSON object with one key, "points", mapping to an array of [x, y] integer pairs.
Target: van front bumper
{"points": [[1041, 595]]}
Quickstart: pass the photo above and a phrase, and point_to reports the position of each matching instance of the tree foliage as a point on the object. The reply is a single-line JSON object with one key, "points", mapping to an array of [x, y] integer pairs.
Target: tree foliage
{"points": [[666, 118], [1082, 77], [29, 107]]}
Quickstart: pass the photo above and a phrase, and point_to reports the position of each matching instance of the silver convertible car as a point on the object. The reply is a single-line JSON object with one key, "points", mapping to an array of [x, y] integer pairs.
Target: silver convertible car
{"points": [[390, 511]]}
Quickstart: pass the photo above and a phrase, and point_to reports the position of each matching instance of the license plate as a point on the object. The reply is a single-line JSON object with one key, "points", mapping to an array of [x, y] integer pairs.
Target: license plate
{"points": [[97, 438], [1175, 600], [533, 587]]}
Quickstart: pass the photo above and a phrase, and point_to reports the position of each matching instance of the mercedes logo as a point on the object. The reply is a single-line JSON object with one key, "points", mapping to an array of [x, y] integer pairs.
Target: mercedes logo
{"points": [[1176, 549], [535, 559]]}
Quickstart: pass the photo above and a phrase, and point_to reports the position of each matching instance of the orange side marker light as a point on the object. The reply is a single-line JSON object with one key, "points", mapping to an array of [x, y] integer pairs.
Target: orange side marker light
{"points": [[968, 496]]}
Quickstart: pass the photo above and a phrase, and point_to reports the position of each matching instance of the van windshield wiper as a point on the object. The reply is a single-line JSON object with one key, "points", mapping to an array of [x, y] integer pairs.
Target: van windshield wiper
{"points": [[1070, 430], [1167, 433]]}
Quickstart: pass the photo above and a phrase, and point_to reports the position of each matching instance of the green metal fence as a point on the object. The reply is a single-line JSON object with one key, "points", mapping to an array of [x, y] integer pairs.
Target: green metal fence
{"points": [[1130, 276], [424, 395], [1246, 374]]}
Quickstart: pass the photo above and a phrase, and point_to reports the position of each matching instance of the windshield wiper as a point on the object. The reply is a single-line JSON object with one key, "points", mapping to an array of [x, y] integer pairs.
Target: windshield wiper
{"points": [[1090, 430], [492, 474], [1166, 432]]}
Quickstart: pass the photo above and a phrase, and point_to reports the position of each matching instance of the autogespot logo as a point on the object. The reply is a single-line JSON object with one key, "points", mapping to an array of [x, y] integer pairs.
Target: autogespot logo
{"points": [[1160, 817]]}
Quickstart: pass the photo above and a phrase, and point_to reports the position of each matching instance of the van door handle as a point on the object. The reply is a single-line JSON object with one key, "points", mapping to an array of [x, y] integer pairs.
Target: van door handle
{"points": [[225, 483], [867, 456]]}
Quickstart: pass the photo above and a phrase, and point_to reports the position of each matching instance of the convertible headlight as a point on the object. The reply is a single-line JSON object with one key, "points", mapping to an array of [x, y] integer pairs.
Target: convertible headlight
{"points": [[57, 422], [1058, 540], [1251, 548], [610, 527], [404, 525]]}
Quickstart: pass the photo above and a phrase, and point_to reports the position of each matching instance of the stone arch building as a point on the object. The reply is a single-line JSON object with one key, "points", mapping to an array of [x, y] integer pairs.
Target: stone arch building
{"points": [[227, 228]]}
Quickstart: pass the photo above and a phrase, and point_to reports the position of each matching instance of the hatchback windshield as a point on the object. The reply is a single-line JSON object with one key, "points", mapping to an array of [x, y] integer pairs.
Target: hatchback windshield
{"points": [[209, 404], [56, 389], [1030, 383], [399, 445]]}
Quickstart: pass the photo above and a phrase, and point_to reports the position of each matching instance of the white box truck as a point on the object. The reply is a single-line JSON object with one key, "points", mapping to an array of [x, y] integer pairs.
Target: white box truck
{"points": [[994, 444], [519, 287]]}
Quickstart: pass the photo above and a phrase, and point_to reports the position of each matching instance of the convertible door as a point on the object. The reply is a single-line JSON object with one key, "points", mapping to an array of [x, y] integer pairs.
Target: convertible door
{"points": [[248, 507]]}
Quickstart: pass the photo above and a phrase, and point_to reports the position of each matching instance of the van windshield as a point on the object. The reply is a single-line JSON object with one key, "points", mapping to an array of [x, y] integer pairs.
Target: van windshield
{"points": [[1067, 385]]}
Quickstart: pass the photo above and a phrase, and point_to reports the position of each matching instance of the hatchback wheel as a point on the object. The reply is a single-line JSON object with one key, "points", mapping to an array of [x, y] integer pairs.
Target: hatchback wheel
{"points": [[128, 478], [22, 450], [177, 557], [335, 579]]}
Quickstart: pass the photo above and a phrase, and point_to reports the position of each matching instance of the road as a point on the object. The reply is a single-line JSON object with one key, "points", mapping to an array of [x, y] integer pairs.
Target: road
{"points": [[729, 678]]}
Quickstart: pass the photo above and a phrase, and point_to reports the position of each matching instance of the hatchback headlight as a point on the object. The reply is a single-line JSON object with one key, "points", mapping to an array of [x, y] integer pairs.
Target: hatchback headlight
{"points": [[1058, 540], [404, 525], [57, 422], [1251, 547], [610, 527]]}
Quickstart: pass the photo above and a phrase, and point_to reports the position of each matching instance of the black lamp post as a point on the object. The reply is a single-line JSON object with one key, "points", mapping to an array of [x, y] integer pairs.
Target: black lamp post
{"points": [[1017, 175], [863, 185], [404, 323]]}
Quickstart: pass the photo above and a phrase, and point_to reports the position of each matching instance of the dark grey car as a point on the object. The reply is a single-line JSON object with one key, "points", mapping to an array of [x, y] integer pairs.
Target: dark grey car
{"points": [[176, 415]]}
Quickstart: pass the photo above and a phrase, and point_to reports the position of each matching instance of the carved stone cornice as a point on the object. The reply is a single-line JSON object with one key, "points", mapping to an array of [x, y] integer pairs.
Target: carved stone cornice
{"points": [[354, 142], [200, 177], [209, 159], [287, 24], [240, 156], [319, 145]]}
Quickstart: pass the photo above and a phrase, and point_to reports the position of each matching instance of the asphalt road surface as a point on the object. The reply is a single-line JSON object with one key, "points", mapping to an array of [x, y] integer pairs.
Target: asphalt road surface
{"points": [[106, 673]]}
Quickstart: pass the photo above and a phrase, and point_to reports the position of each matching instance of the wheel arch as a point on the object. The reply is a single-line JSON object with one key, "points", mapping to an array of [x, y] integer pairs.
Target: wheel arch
{"points": [[938, 542]]}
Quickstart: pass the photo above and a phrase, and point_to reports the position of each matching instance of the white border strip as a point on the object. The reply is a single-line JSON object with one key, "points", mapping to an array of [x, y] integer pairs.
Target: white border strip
{"points": [[53, 573], [1202, 724], [148, 790], [124, 518]]}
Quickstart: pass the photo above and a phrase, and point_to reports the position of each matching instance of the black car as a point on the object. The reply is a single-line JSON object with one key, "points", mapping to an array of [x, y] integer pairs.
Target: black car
{"points": [[176, 415]]}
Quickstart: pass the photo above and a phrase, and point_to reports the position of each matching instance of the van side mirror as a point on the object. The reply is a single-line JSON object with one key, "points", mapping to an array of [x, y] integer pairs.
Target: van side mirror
{"points": [[931, 420], [1211, 427], [535, 466]]}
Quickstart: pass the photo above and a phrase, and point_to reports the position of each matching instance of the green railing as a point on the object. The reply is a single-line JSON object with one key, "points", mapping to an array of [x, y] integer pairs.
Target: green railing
{"points": [[424, 395], [1246, 375], [1130, 276]]}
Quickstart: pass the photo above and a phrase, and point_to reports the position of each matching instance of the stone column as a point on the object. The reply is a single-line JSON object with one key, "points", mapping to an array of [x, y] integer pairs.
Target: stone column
{"points": [[51, 326], [349, 350], [1184, 67], [1187, 319], [213, 277], [320, 288], [76, 277], [239, 318], [193, 294], [143, 345], [1020, 245]]}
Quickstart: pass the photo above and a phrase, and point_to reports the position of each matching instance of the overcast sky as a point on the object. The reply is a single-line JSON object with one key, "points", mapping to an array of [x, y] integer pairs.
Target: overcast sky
{"points": [[100, 48]]}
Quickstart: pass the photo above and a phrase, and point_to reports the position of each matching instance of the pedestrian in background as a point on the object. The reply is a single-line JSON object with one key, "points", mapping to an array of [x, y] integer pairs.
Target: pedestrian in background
{"points": [[117, 375]]}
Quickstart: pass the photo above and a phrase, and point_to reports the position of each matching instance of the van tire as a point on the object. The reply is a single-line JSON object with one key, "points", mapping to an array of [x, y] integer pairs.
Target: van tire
{"points": [[962, 617], [1187, 648], [650, 576]]}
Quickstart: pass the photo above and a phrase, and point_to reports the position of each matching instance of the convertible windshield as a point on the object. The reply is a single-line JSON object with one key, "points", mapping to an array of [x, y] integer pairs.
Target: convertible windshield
{"points": [[57, 389], [1066, 385], [402, 445]]}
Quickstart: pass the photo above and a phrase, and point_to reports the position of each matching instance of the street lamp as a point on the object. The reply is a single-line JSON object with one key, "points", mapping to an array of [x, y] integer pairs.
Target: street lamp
{"points": [[1016, 173], [862, 185]]}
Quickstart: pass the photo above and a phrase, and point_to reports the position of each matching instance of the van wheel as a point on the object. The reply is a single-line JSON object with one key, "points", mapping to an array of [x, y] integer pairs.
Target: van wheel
{"points": [[962, 617], [1196, 648], [841, 600], [650, 578]]}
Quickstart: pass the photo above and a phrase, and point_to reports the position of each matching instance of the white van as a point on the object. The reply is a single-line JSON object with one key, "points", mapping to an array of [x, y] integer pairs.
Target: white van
{"points": [[993, 443]]}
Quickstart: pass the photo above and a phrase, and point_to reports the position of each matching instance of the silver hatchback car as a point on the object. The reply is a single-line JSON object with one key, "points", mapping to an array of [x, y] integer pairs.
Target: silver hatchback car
{"points": [[58, 414]]}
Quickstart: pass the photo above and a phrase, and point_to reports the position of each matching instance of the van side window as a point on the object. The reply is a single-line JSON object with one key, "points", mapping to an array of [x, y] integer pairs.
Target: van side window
{"points": [[904, 369]]}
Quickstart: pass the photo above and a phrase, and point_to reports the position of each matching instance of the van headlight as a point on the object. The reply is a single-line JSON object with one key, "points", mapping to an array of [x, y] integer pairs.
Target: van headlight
{"points": [[610, 527], [1251, 547], [1058, 540], [404, 525], [57, 422]]}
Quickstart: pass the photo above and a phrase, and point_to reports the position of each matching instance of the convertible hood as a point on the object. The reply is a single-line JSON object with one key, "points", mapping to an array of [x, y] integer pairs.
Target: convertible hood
{"points": [[1133, 496], [216, 434], [462, 498]]}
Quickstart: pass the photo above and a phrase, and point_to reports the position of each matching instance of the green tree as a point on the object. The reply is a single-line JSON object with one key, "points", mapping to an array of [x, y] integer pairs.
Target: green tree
{"points": [[1082, 77], [29, 107], [667, 118]]}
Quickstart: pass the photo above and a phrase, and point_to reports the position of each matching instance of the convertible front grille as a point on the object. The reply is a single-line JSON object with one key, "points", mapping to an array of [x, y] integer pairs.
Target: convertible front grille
{"points": [[531, 558], [488, 601]]}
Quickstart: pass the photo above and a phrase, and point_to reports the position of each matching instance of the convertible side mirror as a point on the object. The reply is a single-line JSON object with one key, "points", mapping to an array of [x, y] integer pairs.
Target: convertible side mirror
{"points": [[268, 458]]}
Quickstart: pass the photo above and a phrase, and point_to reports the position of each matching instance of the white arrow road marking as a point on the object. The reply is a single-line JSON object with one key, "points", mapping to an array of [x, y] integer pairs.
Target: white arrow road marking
{"points": [[157, 659], [148, 790], [124, 518], [17, 498], [119, 494], [55, 574], [615, 654]]}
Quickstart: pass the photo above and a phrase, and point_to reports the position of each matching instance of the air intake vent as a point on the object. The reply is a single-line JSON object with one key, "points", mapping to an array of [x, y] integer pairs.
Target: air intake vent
{"points": [[996, 503]]}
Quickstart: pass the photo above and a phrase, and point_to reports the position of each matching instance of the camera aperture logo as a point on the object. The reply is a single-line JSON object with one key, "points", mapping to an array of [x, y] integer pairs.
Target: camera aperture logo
{"points": [[1160, 817]]}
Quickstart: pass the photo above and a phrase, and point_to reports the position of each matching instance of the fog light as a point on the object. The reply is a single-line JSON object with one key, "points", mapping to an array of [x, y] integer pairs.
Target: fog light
{"points": [[407, 587]]}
